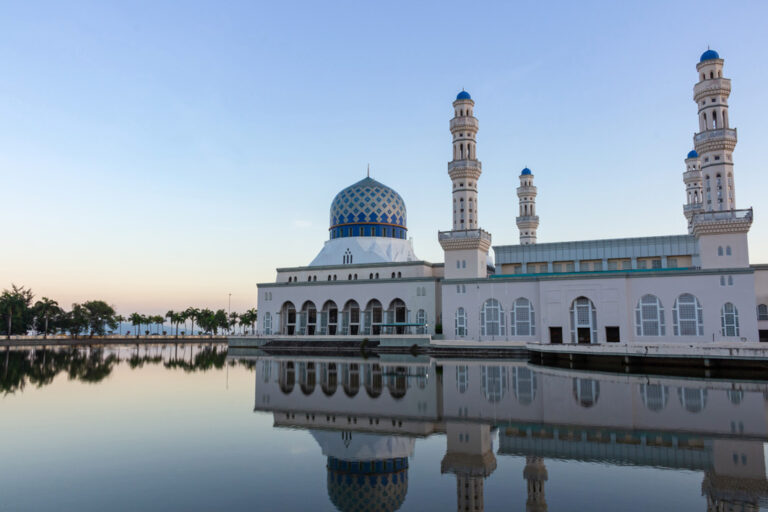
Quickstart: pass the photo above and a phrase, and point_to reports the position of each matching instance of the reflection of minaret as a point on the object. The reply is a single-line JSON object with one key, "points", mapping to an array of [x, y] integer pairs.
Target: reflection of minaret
{"points": [[737, 479], [470, 457], [535, 474]]}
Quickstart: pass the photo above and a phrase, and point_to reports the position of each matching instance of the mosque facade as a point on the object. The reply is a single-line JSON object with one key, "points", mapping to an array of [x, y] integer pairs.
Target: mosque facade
{"points": [[696, 287]]}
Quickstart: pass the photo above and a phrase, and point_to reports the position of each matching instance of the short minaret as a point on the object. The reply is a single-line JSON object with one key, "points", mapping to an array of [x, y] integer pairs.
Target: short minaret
{"points": [[466, 246], [535, 474], [527, 221], [693, 188], [715, 140]]}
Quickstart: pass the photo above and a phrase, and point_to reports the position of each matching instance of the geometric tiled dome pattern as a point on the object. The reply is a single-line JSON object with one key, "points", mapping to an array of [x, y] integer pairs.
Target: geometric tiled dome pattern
{"points": [[368, 202], [377, 485]]}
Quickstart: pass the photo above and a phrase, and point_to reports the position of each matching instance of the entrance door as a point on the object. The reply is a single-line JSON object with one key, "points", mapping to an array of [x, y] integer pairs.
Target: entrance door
{"points": [[585, 335]]}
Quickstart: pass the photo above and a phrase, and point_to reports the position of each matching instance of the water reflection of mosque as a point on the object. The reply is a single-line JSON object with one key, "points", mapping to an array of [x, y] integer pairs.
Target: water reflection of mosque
{"points": [[366, 414]]}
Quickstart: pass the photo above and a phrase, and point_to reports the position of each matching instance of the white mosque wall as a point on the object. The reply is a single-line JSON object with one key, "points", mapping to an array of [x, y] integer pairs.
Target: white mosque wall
{"points": [[726, 250], [615, 300]]}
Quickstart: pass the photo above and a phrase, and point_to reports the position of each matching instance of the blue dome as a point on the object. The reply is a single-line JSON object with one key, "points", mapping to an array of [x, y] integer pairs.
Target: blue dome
{"points": [[368, 208], [692, 154], [709, 55], [525, 172], [463, 95]]}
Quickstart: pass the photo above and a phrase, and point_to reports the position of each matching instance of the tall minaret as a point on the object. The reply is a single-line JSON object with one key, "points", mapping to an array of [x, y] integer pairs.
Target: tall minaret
{"points": [[465, 168], [527, 221], [693, 188], [715, 141], [466, 246]]}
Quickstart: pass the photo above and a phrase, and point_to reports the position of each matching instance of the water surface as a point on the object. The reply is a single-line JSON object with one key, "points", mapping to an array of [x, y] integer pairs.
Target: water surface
{"points": [[189, 428]]}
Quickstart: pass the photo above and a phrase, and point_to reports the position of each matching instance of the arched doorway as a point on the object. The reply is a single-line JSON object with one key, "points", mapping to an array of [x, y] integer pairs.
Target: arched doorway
{"points": [[308, 318], [397, 381], [583, 321], [329, 378], [329, 318], [374, 380], [397, 314], [288, 318], [374, 316], [287, 378], [350, 318], [307, 377], [350, 378]]}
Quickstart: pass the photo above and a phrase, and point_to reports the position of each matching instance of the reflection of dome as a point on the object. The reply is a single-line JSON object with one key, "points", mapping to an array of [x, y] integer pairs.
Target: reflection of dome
{"points": [[368, 485], [368, 208], [366, 471]]}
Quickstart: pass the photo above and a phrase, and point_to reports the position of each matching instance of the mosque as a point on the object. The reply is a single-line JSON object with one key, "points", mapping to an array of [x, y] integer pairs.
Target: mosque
{"points": [[691, 288]]}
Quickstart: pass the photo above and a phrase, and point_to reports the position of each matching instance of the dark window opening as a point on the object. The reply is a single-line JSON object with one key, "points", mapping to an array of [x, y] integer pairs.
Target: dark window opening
{"points": [[612, 334], [556, 335]]}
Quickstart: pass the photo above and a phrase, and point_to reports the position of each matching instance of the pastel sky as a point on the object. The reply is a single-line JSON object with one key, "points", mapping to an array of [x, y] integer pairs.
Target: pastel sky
{"points": [[166, 154]]}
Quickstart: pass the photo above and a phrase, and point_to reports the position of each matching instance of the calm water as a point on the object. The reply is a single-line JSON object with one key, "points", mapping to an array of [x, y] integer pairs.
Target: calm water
{"points": [[192, 428]]}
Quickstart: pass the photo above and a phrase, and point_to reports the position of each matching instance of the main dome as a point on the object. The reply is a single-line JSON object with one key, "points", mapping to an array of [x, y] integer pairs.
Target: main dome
{"points": [[368, 208]]}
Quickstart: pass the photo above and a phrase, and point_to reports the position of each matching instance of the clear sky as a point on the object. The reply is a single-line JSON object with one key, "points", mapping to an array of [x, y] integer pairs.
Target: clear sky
{"points": [[165, 154]]}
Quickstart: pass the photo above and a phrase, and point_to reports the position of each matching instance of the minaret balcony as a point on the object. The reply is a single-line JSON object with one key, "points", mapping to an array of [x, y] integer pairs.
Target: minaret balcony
{"points": [[527, 219], [693, 207], [692, 176], [726, 221], [459, 123], [710, 87], [728, 134], [464, 164]]}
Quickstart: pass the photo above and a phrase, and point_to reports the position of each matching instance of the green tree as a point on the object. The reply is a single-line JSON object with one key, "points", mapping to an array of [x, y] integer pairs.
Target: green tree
{"points": [[100, 315], [77, 320], [220, 321], [232, 323], [46, 310], [16, 310]]}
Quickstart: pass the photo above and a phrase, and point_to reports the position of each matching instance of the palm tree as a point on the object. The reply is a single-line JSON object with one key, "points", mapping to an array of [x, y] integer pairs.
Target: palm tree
{"points": [[136, 320], [233, 317], [120, 319], [193, 314], [45, 308], [170, 315]]}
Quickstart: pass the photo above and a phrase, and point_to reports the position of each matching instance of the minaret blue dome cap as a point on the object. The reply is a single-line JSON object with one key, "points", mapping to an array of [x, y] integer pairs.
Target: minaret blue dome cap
{"points": [[463, 95], [525, 172], [693, 154], [709, 55]]}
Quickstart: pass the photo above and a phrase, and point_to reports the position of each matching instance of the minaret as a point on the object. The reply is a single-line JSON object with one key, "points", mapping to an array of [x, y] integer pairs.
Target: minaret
{"points": [[715, 141], [466, 246], [535, 474], [527, 221], [693, 187], [720, 229]]}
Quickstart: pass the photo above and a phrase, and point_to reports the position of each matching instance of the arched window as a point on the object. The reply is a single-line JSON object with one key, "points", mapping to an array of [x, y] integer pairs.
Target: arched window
{"points": [[687, 318], [649, 316], [524, 384], [720, 250], [494, 383], [288, 316], [654, 396], [492, 319], [762, 312], [727, 250], [729, 319], [586, 392], [374, 380], [460, 323], [462, 378], [267, 323], [583, 321], [730, 280], [692, 399], [522, 318]]}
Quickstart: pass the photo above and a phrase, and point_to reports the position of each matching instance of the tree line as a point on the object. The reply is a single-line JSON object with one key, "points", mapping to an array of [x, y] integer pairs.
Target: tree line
{"points": [[20, 314]]}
